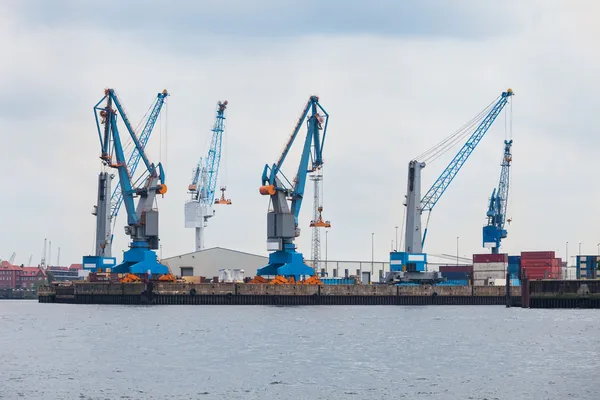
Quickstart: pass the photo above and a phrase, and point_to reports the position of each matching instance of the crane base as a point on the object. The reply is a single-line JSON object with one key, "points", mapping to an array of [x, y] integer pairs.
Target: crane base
{"points": [[141, 261], [286, 263]]}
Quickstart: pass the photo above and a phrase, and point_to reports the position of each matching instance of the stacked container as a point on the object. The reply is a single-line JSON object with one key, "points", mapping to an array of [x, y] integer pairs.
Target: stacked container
{"points": [[457, 272], [587, 267], [540, 265], [489, 267], [514, 267]]}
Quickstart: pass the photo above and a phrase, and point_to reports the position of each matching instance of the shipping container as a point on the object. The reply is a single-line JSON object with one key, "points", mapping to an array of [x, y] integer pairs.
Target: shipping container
{"points": [[458, 282], [513, 269], [488, 275], [457, 275], [338, 281], [514, 260], [456, 268], [491, 266], [487, 258], [545, 255]]}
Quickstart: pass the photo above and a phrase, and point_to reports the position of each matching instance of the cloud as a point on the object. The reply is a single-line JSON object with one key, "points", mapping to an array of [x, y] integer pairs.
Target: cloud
{"points": [[391, 95]]}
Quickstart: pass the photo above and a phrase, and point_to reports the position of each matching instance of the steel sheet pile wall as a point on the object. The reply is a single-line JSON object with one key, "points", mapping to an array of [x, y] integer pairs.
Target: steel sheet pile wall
{"points": [[457, 272], [540, 265], [487, 268], [587, 267]]}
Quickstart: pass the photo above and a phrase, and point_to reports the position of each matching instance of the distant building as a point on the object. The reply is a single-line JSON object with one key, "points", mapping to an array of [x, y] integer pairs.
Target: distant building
{"points": [[15, 277], [71, 273], [208, 262]]}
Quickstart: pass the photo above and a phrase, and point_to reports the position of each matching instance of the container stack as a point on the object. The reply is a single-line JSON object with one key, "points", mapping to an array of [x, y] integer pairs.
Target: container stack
{"points": [[587, 267], [489, 267], [514, 267], [540, 265]]}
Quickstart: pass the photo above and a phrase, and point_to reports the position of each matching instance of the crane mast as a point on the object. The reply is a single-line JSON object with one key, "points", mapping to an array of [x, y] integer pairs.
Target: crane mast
{"points": [[204, 182], [142, 220], [282, 219], [108, 205], [412, 262], [494, 232]]}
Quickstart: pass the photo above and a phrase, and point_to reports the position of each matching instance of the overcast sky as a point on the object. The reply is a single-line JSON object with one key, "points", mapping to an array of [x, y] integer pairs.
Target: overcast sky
{"points": [[396, 77]]}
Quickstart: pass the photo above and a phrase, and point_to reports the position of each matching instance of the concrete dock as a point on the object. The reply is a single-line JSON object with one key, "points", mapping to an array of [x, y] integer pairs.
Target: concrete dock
{"points": [[531, 294]]}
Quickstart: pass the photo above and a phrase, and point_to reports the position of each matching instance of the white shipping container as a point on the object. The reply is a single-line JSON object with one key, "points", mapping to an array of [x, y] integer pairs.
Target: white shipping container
{"points": [[495, 266], [488, 274], [480, 282]]}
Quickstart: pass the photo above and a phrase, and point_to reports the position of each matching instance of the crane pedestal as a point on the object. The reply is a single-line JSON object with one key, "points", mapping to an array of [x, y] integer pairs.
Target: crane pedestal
{"points": [[286, 263], [140, 261]]}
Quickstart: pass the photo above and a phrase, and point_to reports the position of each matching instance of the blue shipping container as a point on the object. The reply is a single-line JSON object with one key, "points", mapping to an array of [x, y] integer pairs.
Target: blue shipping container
{"points": [[455, 282], [456, 276], [514, 260], [337, 281]]}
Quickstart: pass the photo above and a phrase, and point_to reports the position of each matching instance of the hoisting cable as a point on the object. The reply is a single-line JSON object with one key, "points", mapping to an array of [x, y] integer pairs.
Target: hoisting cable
{"points": [[436, 151]]}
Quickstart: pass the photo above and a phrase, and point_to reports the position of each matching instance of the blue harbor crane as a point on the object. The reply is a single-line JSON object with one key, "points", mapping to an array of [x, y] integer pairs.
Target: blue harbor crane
{"points": [[410, 264], [495, 230], [204, 182], [142, 220], [282, 219]]}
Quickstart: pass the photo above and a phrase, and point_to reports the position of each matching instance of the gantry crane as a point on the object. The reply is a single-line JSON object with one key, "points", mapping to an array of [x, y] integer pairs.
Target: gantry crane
{"points": [[282, 219], [494, 232], [410, 265], [142, 220], [204, 182], [107, 208]]}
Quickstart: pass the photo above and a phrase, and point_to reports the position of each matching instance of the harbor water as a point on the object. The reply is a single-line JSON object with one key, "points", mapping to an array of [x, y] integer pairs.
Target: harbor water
{"points": [[65, 351]]}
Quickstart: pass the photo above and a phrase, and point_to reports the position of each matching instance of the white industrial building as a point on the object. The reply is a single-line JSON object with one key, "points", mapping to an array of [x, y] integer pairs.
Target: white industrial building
{"points": [[209, 262]]}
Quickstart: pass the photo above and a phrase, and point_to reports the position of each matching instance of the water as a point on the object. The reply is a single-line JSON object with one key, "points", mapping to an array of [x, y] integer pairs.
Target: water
{"points": [[55, 351]]}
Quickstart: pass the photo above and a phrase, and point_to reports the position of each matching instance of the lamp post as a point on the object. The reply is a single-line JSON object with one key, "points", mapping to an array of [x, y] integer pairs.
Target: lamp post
{"points": [[326, 232], [566, 259], [457, 250], [396, 238], [372, 251]]}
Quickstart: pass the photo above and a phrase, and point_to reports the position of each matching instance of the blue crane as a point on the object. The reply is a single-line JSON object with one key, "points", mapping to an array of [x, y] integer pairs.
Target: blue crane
{"points": [[204, 182], [494, 232], [142, 220], [412, 262], [106, 212], [282, 220]]}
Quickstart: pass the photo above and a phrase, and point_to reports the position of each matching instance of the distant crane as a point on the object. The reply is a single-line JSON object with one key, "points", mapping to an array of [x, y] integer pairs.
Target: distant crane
{"points": [[142, 221], [204, 182], [12, 258], [495, 231], [58, 258], [29, 262], [282, 219], [410, 265], [106, 210], [43, 260], [317, 222]]}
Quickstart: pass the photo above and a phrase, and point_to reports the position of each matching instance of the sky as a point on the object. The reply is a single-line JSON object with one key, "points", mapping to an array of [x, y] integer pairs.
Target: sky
{"points": [[396, 77]]}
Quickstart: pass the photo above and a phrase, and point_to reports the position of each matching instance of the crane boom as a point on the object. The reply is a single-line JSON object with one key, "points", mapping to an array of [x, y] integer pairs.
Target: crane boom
{"points": [[282, 221], [204, 181], [495, 230]]}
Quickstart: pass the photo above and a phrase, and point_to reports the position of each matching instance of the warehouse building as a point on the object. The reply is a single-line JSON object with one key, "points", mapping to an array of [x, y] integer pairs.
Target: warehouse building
{"points": [[208, 262]]}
